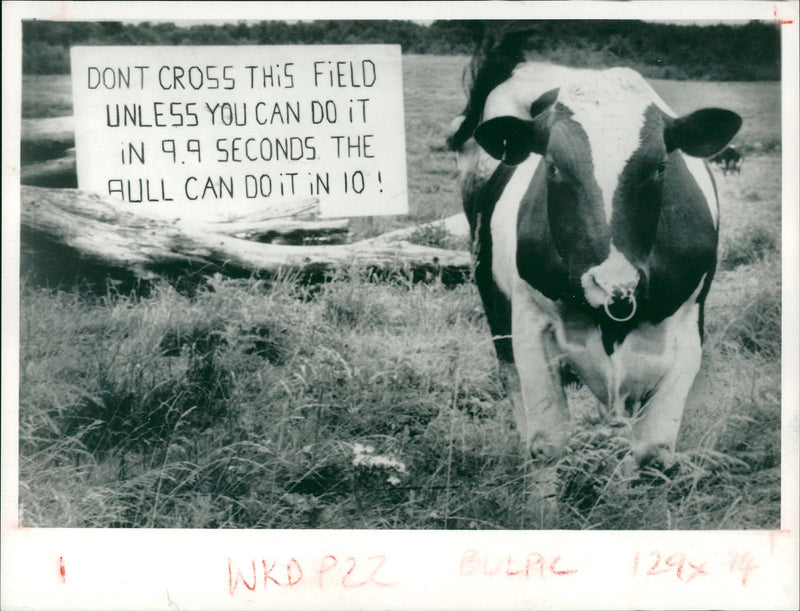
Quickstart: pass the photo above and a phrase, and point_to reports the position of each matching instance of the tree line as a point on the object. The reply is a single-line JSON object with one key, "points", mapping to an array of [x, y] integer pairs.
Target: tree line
{"points": [[746, 52]]}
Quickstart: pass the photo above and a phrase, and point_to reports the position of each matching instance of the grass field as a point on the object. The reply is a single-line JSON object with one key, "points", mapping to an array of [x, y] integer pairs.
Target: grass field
{"points": [[366, 404]]}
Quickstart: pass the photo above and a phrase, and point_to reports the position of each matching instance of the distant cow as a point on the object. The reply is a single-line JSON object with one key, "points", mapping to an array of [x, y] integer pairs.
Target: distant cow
{"points": [[594, 221], [729, 160]]}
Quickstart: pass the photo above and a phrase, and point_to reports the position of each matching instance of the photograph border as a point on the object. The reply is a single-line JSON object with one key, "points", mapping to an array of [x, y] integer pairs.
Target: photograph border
{"points": [[210, 569]]}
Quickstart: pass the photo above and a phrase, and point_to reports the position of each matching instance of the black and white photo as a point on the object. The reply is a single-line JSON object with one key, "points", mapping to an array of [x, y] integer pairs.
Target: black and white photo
{"points": [[485, 297]]}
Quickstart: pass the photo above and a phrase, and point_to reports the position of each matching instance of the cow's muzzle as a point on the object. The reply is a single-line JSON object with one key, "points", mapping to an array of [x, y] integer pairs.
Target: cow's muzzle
{"points": [[621, 306], [612, 287]]}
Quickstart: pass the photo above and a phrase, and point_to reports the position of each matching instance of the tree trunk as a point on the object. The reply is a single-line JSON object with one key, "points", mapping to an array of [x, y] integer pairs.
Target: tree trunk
{"points": [[107, 233]]}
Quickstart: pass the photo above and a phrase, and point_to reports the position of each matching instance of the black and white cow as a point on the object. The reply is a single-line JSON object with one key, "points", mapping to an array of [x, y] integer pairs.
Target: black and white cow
{"points": [[594, 223], [729, 159]]}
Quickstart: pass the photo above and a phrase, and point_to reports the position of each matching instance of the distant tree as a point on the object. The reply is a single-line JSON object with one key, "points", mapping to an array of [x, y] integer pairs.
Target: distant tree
{"points": [[718, 51]]}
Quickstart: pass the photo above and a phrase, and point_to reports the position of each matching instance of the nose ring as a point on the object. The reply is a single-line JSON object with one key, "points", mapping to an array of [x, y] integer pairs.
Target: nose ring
{"points": [[630, 298]]}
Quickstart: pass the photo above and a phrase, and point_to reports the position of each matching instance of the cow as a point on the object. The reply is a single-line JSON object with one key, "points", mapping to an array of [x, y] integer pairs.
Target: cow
{"points": [[728, 159], [594, 224]]}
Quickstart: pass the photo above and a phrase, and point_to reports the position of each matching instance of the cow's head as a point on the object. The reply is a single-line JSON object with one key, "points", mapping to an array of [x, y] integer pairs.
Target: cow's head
{"points": [[608, 148]]}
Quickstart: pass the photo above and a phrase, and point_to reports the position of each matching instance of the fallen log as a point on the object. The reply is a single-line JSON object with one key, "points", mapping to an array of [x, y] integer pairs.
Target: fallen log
{"points": [[45, 139], [54, 173], [292, 231], [284, 228], [455, 226], [60, 129], [108, 233], [285, 224]]}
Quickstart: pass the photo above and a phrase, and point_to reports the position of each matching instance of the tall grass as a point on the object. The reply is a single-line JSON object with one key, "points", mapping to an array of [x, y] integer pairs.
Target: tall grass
{"points": [[359, 404]]}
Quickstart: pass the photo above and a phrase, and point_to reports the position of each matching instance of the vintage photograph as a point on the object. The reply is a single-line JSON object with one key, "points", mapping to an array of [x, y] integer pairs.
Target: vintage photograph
{"points": [[227, 321]]}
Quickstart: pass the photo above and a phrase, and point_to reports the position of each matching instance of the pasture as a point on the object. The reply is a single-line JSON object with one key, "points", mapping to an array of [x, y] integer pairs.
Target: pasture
{"points": [[365, 403]]}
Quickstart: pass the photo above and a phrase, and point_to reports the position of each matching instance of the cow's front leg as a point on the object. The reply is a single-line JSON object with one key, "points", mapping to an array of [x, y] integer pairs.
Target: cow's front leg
{"points": [[540, 405], [655, 431]]}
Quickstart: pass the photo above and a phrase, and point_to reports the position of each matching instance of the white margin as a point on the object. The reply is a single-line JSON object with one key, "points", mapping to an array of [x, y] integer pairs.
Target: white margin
{"points": [[146, 569]]}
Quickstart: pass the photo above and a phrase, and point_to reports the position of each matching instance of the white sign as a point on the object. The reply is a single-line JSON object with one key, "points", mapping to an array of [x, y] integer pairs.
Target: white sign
{"points": [[232, 130]]}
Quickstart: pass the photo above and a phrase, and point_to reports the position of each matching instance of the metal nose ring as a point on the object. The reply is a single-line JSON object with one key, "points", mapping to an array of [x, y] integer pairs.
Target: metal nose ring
{"points": [[630, 298]]}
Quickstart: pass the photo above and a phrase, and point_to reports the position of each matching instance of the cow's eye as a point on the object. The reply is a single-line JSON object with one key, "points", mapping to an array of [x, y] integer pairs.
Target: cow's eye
{"points": [[552, 171], [660, 170]]}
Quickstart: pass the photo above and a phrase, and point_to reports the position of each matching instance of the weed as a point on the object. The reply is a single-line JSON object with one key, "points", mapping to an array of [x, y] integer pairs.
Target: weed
{"points": [[756, 327], [749, 245], [432, 234], [346, 305]]}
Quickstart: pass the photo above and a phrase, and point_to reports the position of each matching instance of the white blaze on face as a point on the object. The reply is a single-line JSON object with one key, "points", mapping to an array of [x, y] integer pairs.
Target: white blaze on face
{"points": [[614, 274], [610, 107], [504, 225], [700, 173]]}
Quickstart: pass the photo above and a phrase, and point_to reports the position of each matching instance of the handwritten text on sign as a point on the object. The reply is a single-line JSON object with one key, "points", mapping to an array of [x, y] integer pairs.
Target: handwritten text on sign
{"points": [[238, 129]]}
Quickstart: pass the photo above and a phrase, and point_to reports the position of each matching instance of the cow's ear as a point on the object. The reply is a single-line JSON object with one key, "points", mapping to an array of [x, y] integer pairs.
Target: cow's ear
{"points": [[508, 139], [703, 132]]}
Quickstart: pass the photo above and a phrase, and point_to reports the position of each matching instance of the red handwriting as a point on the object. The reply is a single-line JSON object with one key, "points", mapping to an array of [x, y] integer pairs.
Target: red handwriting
{"points": [[533, 564], [676, 564], [774, 535], [328, 572], [62, 571], [742, 562], [780, 21]]}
